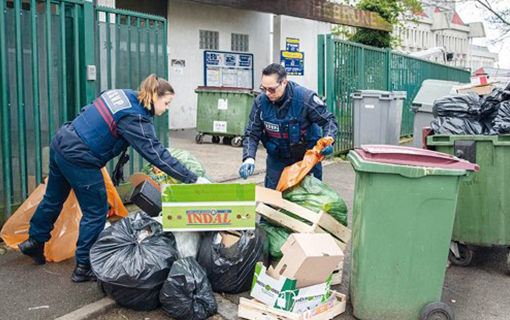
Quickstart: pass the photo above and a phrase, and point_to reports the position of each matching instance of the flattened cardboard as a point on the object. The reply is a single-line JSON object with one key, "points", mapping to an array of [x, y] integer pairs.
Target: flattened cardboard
{"points": [[308, 258], [480, 90]]}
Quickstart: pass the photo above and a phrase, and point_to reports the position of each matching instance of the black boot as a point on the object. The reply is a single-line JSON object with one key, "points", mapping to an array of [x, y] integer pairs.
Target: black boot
{"points": [[34, 250], [83, 273]]}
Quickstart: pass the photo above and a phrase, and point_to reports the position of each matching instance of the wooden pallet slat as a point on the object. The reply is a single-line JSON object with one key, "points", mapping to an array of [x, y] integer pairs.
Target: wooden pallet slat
{"points": [[254, 310]]}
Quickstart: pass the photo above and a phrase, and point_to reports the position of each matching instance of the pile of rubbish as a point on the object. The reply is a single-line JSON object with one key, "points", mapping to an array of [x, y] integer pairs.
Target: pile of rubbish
{"points": [[310, 193], [144, 262], [470, 114]]}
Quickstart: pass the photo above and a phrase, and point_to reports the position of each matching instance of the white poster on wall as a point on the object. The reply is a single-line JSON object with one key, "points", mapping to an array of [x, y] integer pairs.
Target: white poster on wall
{"points": [[228, 69]]}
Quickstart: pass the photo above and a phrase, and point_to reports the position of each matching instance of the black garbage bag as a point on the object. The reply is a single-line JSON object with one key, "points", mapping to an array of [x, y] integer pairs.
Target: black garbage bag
{"points": [[451, 125], [458, 106], [490, 105], [187, 293], [502, 120], [132, 259], [231, 269]]}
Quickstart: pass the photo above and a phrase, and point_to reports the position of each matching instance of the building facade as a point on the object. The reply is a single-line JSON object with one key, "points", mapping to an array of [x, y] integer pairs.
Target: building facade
{"points": [[441, 26]]}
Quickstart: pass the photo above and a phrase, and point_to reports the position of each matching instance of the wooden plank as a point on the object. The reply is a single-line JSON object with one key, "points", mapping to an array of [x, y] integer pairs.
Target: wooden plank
{"points": [[274, 198], [320, 10], [255, 310], [329, 223], [284, 220]]}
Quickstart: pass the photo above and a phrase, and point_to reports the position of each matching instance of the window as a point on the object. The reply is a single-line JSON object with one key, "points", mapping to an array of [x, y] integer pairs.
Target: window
{"points": [[209, 39], [240, 42]]}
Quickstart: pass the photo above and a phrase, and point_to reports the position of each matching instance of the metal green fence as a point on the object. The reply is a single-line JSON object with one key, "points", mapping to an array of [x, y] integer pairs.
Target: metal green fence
{"points": [[45, 48], [43, 54], [345, 67], [130, 46]]}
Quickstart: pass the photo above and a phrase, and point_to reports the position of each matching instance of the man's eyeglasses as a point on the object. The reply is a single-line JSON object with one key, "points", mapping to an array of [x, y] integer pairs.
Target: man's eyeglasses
{"points": [[270, 89]]}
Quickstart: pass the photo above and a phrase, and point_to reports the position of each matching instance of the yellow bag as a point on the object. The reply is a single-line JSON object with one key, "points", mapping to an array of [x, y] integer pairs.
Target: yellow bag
{"points": [[64, 235]]}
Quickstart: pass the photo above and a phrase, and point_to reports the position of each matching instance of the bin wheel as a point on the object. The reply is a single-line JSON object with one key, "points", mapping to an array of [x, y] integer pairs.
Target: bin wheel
{"points": [[437, 311], [215, 139], [465, 256], [237, 142], [508, 260], [227, 140], [199, 139]]}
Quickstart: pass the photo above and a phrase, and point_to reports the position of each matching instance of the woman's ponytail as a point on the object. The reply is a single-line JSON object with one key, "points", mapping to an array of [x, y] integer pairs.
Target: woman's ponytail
{"points": [[153, 87]]}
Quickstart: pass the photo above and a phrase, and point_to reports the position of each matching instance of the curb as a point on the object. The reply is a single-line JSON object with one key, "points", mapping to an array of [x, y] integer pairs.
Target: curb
{"points": [[89, 311]]}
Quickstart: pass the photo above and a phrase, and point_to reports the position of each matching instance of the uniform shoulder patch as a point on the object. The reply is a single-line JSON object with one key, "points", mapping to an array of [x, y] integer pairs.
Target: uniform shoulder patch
{"points": [[317, 100], [116, 100]]}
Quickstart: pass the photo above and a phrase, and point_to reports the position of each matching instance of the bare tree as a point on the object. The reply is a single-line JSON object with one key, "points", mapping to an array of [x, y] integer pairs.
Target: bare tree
{"points": [[498, 14]]}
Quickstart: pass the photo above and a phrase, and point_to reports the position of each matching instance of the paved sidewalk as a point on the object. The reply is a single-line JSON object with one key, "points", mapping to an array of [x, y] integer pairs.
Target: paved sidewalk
{"points": [[46, 292]]}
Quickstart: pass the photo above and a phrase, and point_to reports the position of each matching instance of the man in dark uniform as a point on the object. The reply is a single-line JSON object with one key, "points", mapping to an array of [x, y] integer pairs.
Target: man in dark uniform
{"points": [[288, 119]]}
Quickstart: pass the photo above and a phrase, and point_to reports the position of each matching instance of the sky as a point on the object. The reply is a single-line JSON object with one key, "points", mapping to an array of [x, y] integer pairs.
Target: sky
{"points": [[469, 12]]}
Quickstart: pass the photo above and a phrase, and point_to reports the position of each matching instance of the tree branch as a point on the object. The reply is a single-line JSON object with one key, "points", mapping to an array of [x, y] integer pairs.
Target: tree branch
{"points": [[493, 11]]}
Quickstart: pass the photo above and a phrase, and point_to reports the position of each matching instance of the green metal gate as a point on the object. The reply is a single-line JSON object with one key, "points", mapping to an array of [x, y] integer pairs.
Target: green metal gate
{"points": [[345, 67], [130, 46], [46, 48]]}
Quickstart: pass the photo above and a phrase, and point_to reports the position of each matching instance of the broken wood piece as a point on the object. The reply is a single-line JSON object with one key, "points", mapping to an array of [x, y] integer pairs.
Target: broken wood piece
{"points": [[254, 310]]}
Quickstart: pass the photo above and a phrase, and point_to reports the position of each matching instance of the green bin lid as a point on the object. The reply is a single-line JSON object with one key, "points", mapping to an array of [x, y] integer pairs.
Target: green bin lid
{"points": [[406, 161]]}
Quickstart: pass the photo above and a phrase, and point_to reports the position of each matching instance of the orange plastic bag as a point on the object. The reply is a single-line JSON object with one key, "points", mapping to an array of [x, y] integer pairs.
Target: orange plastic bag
{"points": [[64, 235], [293, 174], [116, 206]]}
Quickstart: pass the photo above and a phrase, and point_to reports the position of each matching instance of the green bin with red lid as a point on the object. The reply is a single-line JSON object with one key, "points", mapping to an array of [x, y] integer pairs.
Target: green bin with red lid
{"points": [[404, 209]]}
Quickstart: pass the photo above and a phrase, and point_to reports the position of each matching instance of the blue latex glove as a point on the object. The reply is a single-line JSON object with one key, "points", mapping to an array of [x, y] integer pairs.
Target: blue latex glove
{"points": [[327, 151], [247, 168]]}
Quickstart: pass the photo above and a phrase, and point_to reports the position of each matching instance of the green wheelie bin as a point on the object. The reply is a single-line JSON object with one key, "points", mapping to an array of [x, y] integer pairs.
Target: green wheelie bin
{"points": [[483, 209], [404, 208], [223, 112]]}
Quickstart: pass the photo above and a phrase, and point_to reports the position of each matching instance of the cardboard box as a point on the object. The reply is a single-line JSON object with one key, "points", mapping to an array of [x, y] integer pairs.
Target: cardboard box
{"points": [[308, 258], [282, 293], [206, 207], [228, 239], [480, 90]]}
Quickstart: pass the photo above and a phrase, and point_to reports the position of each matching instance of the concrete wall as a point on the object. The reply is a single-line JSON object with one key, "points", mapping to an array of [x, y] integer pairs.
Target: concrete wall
{"points": [[306, 31], [185, 20]]}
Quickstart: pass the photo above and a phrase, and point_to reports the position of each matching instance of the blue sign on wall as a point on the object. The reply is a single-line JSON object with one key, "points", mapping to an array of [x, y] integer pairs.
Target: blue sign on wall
{"points": [[293, 62]]}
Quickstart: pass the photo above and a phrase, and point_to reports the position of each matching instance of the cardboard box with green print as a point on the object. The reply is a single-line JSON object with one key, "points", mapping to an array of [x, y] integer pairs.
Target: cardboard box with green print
{"points": [[301, 281]]}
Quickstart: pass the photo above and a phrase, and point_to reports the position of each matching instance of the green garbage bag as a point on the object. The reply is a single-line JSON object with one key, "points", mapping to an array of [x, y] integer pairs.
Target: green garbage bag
{"points": [[315, 195], [276, 237], [184, 157]]}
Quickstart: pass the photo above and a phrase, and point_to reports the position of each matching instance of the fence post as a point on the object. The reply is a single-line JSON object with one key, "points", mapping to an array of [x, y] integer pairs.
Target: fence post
{"points": [[88, 50], [320, 65], [330, 74], [5, 129], [388, 70], [361, 68]]}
